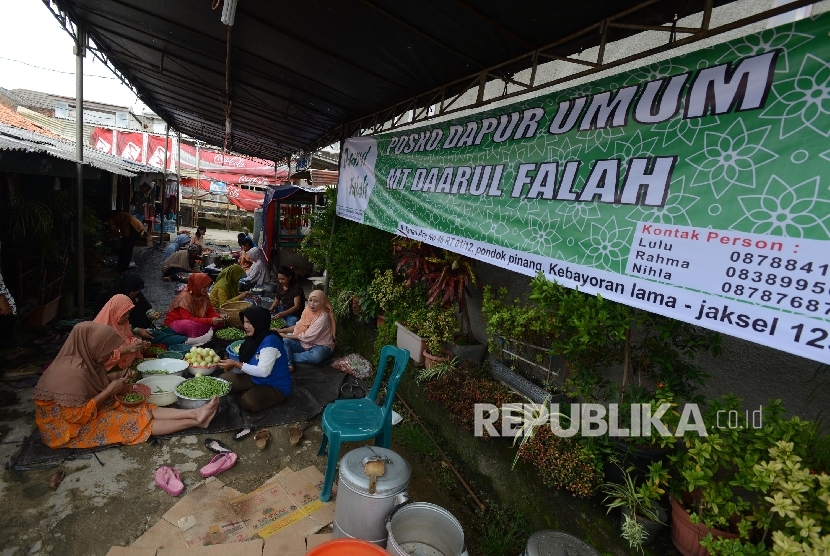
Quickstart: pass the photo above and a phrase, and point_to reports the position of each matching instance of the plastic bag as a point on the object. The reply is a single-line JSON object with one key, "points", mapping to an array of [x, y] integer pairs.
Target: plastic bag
{"points": [[355, 365]]}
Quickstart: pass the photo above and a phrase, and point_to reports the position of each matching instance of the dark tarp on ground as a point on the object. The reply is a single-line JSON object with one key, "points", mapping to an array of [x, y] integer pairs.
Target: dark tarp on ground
{"points": [[314, 387]]}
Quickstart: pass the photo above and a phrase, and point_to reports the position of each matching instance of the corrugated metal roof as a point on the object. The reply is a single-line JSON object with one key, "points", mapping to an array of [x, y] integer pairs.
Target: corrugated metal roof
{"points": [[15, 139], [64, 128]]}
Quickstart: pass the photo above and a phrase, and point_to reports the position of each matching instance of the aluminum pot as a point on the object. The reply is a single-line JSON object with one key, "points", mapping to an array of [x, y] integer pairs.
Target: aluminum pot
{"points": [[211, 259], [557, 543], [425, 528], [362, 512], [269, 287]]}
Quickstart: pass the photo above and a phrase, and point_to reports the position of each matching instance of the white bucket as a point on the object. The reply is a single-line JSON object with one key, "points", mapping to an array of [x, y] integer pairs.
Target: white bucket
{"points": [[422, 528]]}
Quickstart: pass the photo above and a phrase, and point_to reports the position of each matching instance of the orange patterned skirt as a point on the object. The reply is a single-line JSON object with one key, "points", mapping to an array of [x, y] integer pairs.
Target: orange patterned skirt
{"points": [[89, 426]]}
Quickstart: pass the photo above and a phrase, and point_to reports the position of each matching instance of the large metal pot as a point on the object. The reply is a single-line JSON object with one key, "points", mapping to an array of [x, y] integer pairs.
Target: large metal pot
{"points": [[362, 512], [211, 259], [424, 528], [557, 543], [269, 287]]}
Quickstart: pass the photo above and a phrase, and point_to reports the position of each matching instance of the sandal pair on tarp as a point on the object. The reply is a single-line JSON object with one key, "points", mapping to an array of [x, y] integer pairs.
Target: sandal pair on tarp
{"points": [[169, 480]]}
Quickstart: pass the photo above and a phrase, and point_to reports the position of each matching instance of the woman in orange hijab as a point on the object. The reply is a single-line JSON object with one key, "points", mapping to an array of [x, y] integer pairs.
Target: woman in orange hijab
{"points": [[75, 403], [311, 340], [116, 313], [190, 312]]}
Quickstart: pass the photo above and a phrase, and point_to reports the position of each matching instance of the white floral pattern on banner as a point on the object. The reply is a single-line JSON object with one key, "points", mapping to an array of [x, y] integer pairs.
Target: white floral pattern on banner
{"points": [[784, 210], [540, 236], [783, 38], [730, 158], [607, 246], [674, 212], [684, 130], [804, 100]]}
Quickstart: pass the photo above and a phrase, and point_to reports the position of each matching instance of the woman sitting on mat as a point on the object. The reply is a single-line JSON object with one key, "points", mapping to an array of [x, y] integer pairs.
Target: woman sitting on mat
{"points": [[116, 314], [75, 404], [226, 287], [262, 370], [290, 299], [258, 273], [143, 314], [191, 313], [311, 340], [199, 239], [180, 261], [175, 244]]}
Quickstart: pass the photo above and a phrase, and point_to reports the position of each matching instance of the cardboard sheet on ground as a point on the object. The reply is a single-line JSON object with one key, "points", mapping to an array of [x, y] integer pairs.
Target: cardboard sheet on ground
{"points": [[288, 505], [205, 516]]}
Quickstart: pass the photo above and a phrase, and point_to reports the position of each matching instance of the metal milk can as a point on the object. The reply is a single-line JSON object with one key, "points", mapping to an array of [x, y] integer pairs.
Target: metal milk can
{"points": [[364, 503]]}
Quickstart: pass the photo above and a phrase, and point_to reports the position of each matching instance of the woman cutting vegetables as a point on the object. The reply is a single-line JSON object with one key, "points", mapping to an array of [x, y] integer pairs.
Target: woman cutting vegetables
{"points": [[75, 403], [262, 369]]}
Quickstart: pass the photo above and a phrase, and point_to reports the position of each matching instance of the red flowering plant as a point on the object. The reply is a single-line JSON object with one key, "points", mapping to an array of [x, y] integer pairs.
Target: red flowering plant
{"points": [[447, 277]]}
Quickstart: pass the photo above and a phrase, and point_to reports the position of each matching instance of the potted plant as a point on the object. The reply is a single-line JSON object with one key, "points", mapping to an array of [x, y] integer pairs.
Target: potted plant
{"points": [[436, 326], [745, 487], [447, 278], [641, 516]]}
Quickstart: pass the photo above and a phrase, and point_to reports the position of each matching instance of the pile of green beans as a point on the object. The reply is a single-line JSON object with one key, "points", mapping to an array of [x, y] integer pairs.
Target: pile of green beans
{"points": [[202, 388], [155, 372], [230, 334], [132, 397], [276, 324]]}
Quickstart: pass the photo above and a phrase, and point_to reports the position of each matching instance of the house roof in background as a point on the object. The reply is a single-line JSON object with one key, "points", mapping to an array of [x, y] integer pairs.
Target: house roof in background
{"points": [[11, 118]]}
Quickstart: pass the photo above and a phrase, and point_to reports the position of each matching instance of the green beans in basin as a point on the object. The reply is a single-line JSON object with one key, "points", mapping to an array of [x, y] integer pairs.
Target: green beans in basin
{"points": [[202, 388]]}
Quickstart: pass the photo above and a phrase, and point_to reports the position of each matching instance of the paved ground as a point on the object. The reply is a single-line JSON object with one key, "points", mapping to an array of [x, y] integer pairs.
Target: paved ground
{"points": [[113, 502]]}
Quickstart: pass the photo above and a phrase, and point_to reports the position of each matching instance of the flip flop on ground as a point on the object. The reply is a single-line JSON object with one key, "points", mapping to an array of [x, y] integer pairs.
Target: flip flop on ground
{"points": [[295, 433], [169, 481], [261, 438]]}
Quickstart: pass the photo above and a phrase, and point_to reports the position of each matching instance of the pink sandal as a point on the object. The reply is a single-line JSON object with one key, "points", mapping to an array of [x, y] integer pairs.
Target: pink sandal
{"points": [[219, 463], [169, 480]]}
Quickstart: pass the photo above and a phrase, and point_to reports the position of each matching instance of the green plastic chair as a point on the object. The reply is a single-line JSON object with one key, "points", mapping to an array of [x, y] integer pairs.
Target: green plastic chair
{"points": [[361, 419]]}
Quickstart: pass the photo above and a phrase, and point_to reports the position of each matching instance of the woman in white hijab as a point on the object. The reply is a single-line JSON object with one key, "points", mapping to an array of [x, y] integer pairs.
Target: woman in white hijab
{"points": [[258, 273]]}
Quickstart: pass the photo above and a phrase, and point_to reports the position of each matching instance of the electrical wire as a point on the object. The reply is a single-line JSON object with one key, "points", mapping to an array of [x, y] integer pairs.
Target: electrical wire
{"points": [[54, 70]]}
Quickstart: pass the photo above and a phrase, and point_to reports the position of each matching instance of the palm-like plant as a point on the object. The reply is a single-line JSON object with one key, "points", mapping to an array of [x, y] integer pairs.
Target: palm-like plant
{"points": [[447, 277]]}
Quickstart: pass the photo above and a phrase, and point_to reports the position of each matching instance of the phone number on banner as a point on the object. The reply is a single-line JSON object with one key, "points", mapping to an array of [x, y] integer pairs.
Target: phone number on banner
{"points": [[790, 274]]}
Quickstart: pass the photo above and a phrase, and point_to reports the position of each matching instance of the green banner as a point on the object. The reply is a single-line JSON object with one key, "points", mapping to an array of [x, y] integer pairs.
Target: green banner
{"points": [[694, 187]]}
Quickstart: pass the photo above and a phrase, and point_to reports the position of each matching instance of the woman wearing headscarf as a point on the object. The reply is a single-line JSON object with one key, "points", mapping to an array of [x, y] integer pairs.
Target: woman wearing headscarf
{"points": [[190, 312], [226, 288], [143, 315], [115, 314], [258, 273], [290, 298], [246, 244], [262, 370], [75, 404], [177, 243], [311, 340], [180, 261]]}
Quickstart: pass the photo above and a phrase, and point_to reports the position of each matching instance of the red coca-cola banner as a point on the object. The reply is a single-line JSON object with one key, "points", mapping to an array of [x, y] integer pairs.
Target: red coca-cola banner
{"points": [[242, 198], [149, 149]]}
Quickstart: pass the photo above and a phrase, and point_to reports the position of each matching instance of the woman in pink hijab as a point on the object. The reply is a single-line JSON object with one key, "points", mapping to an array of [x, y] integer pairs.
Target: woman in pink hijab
{"points": [[115, 313]]}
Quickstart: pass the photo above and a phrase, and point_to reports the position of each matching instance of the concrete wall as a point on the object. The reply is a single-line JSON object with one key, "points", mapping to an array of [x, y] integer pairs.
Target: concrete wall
{"points": [[751, 371]]}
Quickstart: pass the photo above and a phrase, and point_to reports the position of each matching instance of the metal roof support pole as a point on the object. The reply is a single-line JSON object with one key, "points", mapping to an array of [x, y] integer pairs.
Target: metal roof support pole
{"points": [[707, 15], [334, 218], [179, 178], [164, 183], [80, 52], [194, 199], [603, 30]]}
